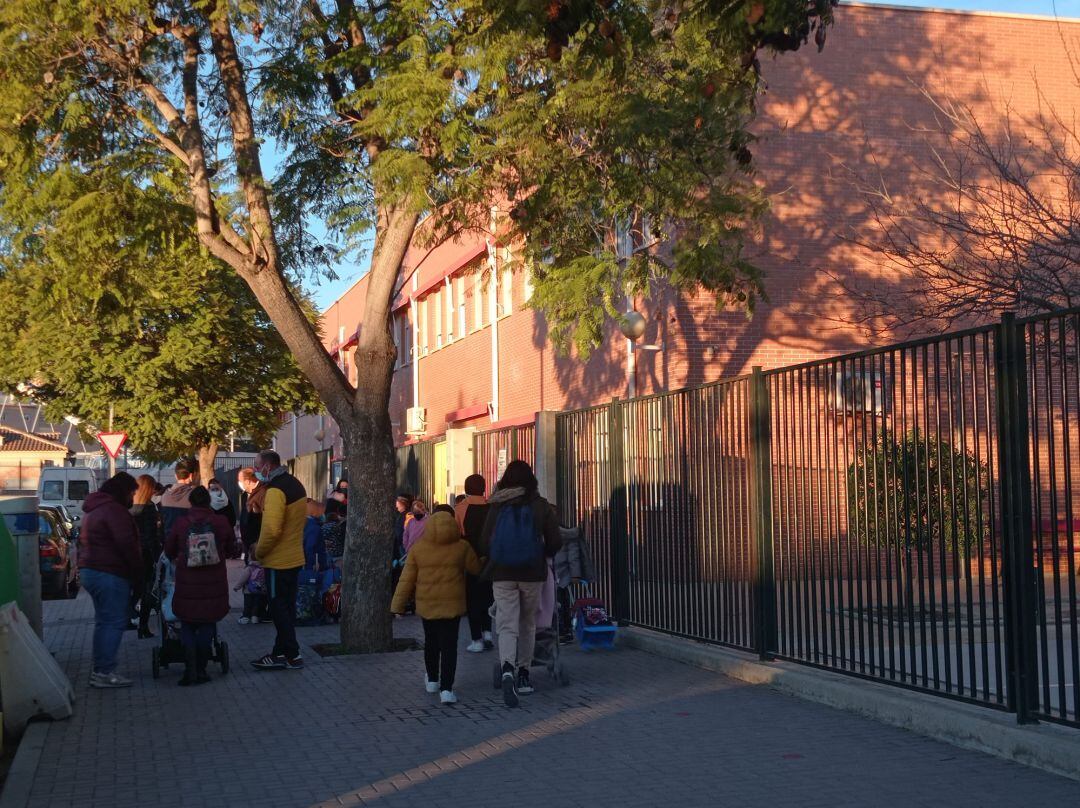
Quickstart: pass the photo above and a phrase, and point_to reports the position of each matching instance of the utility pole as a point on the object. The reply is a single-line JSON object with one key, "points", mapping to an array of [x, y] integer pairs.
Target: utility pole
{"points": [[112, 460]]}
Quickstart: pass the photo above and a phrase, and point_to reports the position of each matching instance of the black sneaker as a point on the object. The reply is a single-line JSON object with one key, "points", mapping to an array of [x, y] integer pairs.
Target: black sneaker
{"points": [[270, 662], [509, 688], [524, 687], [294, 664]]}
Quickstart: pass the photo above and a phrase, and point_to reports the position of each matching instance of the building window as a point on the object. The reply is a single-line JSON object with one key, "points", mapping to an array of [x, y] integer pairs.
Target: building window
{"points": [[449, 310], [423, 327], [479, 297], [526, 280], [459, 296], [436, 303], [397, 341], [506, 285]]}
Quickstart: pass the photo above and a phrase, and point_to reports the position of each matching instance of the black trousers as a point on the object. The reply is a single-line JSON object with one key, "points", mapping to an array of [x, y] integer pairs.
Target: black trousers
{"points": [[282, 591], [478, 597], [254, 605], [440, 650]]}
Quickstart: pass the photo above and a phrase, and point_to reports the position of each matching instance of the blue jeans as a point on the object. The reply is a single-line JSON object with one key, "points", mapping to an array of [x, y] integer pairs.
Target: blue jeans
{"points": [[112, 603]]}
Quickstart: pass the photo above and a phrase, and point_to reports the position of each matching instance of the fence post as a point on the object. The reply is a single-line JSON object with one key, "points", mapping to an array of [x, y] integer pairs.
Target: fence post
{"points": [[760, 423], [1019, 590], [617, 511], [546, 454]]}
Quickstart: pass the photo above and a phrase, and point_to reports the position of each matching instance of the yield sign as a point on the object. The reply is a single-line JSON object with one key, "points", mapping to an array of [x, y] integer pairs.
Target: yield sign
{"points": [[112, 441]]}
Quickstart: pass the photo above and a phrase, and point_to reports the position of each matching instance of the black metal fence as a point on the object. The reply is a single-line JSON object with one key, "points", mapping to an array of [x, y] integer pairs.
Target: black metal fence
{"points": [[495, 448], [416, 470], [905, 514]]}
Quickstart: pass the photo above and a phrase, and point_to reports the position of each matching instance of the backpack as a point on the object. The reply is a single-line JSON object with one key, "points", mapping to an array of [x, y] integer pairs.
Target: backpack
{"points": [[332, 602], [256, 584], [515, 542], [202, 548]]}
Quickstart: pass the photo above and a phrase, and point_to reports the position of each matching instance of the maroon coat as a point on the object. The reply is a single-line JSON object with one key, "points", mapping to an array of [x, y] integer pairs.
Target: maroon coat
{"points": [[202, 593], [109, 539]]}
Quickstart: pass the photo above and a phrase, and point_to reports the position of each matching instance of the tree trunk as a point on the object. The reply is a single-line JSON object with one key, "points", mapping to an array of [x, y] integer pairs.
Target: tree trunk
{"points": [[207, 455]]}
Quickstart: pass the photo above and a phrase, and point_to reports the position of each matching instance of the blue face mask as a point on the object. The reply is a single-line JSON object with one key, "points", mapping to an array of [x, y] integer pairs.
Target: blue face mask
{"points": [[262, 478]]}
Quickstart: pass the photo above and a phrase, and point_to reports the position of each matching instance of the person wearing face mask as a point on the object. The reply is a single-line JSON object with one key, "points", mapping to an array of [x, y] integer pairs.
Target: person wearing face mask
{"points": [[110, 566], [251, 508], [220, 502]]}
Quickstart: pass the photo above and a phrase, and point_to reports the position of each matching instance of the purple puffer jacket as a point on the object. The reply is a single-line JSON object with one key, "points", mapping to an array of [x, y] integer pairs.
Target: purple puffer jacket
{"points": [[109, 538], [202, 593]]}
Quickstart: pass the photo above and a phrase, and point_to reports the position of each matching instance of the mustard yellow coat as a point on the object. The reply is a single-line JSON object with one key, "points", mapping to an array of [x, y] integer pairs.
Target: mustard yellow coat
{"points": [[435, 571]]}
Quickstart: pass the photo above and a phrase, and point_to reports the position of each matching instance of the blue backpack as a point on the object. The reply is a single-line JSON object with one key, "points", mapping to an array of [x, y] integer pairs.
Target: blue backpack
{"points": [[515, 542]]}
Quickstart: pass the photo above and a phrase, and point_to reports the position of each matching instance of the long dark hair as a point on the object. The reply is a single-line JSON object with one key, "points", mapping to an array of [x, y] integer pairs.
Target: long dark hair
{"points": [[519, 474], [121, 487]]}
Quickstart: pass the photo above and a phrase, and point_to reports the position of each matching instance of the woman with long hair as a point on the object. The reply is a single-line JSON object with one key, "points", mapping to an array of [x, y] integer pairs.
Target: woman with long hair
{"points": [[151, 537]]}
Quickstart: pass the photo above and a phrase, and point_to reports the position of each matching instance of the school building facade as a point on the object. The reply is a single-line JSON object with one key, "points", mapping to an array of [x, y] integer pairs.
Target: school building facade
{"points": [[473, 357]]}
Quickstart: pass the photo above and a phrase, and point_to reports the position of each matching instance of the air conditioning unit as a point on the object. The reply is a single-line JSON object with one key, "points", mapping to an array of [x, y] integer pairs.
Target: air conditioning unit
{"points": [[415, 421], [865, 391]]}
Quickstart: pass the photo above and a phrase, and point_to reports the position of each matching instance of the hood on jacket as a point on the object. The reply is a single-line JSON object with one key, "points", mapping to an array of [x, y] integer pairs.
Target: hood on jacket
{"points": [[442, 528], [177, 496], [97, 499], [504, 495]]}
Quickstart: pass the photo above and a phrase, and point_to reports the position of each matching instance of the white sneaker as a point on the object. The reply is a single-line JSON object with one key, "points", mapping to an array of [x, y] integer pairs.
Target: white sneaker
{"points": [[255, 621], [244, 621], [432, 687], [109, 680], [448, 697], [475, 647]]}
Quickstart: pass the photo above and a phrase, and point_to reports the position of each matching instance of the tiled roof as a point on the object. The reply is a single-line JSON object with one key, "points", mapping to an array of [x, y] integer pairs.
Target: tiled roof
{"points": [[15, 440]]}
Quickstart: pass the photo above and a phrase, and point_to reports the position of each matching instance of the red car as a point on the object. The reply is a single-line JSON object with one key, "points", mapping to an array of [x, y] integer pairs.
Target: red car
{"points": [[56, 551]]}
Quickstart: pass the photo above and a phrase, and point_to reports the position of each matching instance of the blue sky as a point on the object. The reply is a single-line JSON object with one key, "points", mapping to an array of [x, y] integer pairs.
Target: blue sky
{"points": [[327, 292]]}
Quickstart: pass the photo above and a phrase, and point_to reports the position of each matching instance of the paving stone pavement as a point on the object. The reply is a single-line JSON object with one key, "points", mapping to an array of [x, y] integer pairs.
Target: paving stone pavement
{"points": [[631, 730]]}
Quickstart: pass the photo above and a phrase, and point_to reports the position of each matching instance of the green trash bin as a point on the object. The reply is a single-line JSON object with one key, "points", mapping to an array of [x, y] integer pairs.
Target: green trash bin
{"points": [[20, 560]]}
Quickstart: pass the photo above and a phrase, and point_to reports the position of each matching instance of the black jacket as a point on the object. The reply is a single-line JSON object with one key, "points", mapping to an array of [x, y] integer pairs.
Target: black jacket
{"points": [[546, 522]]}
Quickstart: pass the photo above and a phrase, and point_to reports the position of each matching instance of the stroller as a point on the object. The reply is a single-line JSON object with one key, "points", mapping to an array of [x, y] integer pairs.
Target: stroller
{"points": [[546, 648], [171, 651]]}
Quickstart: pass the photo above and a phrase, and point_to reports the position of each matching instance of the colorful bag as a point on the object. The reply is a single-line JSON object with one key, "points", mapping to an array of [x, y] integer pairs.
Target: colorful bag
{"points": [[332, 603], [202, 550], [256, 584]]}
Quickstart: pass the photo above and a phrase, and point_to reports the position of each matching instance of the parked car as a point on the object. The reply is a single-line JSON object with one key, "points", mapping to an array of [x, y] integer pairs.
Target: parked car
{"points": [[66, 485], [57, 554]]}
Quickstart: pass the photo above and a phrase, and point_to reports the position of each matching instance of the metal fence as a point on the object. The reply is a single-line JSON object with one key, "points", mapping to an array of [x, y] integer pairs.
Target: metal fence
{"points": [[416, 470], [494, 449], [905, 514]]}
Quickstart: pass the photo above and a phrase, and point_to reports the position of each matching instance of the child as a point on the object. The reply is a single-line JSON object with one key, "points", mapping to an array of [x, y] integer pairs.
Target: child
{"points": [[253, 582], [435, 571], [314, 548]]}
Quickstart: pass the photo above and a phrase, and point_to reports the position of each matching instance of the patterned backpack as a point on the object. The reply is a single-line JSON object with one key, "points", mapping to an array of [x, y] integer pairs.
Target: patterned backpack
{"points": [[202, 548]]}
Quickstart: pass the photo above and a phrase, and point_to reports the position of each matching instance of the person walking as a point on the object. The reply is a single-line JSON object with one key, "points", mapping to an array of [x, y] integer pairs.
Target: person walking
{"points": [[110, 566], [148, 522], [471, 513], [435, 575], [220, 502], [280, 550], [174, 502], [197, 543], [415, 526], [520, 533]]}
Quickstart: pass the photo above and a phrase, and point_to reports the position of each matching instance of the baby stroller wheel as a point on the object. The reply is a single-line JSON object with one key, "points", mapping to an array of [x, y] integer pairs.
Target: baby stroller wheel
{"points": [[155, 662], [223, 657], [496, 676]]}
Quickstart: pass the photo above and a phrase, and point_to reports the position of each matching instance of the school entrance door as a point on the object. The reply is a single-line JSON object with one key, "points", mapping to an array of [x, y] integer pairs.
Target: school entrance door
{"points": [[441, 474]]}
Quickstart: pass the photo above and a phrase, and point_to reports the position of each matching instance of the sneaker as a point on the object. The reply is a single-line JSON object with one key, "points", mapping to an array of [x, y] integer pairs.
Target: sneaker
{"points": [[489, 641], [294, 664], [244, 621], [270, 662], [109, 680], [509, 689], [475, 647], [255, 621], [448, 697], [524, 686], [432, 687]]}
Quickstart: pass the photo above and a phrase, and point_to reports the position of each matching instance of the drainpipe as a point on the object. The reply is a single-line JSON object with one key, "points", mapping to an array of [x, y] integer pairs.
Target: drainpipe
{"points": [[493, 315], [631, 359], [415, 349]]}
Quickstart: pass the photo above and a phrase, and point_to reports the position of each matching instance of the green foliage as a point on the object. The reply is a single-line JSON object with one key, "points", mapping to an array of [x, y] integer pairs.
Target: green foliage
{"points": [[919, 492], [109, 299]]}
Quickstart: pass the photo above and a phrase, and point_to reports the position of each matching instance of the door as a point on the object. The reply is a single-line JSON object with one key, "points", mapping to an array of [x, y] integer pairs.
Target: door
{"points": [[441, 473]]}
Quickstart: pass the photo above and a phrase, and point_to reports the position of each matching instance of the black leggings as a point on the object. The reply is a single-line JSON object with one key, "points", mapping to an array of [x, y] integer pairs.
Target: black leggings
{"points": [[440, 650], [479, 597]]}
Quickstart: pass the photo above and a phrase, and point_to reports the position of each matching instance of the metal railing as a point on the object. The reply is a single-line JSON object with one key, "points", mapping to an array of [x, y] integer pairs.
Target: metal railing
{"points": [[416, 470], [495, 448], [905, 514]]}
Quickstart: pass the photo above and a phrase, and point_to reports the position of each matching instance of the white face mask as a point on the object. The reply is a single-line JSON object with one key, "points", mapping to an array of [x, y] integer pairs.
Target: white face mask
{"points": [[218, 499], [156, 499]]}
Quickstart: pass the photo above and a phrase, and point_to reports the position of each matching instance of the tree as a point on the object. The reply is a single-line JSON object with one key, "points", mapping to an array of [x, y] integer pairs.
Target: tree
{"points": [[577, 118], [989, 224], [112, 304]]}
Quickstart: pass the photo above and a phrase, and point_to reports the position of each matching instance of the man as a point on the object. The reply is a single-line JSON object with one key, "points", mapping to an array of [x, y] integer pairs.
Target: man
{"points": [[251, 507], [280, 551], [471, 512], [174, 502]]}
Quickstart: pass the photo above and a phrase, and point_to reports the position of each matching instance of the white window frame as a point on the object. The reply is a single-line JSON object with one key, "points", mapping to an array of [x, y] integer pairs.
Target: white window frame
{"points": [[506, 284], [459, 296], [526, 281], [478, 298], [423, 327], [436, 302], [450, 330]]}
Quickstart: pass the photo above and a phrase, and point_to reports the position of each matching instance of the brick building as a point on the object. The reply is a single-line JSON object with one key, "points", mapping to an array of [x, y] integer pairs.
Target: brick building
{"points": [[473, 356]]}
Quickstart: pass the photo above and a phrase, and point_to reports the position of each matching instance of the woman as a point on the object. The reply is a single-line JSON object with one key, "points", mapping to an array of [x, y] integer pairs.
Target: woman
{"points": [[415, 526], [110, 566], [148, 521], [517, 586], [251, 520], [338, 501], [220, 502], [201, 596]]}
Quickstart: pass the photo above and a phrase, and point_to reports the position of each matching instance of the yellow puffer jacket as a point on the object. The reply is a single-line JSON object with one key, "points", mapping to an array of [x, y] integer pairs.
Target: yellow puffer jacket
{"points": [[435, 571], [281, 537]]}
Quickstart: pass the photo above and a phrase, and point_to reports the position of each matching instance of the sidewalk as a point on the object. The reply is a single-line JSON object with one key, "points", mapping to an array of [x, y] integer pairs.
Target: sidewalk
{"points": [[631, 730]]}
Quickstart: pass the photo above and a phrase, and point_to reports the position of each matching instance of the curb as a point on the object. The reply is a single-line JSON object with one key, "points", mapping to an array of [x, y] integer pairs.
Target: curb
{"points": [[1045, 746], [20, 777]]}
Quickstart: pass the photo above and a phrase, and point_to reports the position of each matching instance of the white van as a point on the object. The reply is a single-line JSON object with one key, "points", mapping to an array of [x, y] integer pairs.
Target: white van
{"points": [[66, 485]]}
